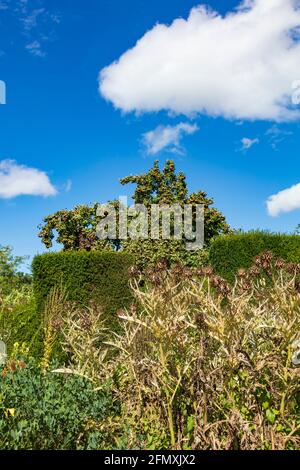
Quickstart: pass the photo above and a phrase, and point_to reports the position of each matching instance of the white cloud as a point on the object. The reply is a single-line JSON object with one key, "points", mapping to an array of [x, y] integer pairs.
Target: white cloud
{"points": [[38, 25], [167, 137], [30, 21], [248, 143], [276, 135], [285, 201], [240, 66], [17, 180], [68, 186], [35, 48]]}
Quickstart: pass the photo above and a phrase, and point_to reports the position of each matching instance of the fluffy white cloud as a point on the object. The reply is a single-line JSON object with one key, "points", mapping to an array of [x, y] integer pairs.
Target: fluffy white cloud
{"points": [[285, 201], [248, 143], [239, 66], [17, 180], [167, 137]]}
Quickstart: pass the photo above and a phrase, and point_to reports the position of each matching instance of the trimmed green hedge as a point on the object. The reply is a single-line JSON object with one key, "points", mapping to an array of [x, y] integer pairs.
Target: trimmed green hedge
{"points": [[99, 276], [231, 252]]}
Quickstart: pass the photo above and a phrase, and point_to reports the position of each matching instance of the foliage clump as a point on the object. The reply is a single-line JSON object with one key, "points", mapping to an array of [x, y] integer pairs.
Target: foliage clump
{"points": [[18, 319], [50, 411], [10, 276], [229, 253], [86, 276]]}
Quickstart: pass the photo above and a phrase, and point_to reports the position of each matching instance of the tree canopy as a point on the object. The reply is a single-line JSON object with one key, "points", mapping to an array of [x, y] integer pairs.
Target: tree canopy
{"points": [[10, 276]]}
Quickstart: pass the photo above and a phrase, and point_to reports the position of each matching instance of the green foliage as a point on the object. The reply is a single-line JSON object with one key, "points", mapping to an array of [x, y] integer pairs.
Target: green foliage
{"points": [[18, 320], [8, 263], [149, 252], [20, 323], [234, 251], [87, 276], [166, 187], [76, 229], [10, 277], [50, 410]]}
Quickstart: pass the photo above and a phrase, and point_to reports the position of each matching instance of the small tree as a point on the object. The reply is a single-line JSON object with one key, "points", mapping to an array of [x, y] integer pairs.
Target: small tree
{"points": [[10, 276], [166, 187]]}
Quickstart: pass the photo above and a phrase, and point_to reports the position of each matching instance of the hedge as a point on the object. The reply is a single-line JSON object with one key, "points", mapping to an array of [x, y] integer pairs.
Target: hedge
{"points": [[228, 253], [99, 276]]}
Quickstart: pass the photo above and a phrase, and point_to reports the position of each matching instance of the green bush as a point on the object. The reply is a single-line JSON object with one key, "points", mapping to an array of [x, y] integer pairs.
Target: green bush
{"points": [[19, 322], [50, 410], [228, 253], [88, 276], [23, 325]]}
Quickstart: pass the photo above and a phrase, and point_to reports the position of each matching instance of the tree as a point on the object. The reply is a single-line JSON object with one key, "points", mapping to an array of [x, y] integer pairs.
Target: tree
{"points": [[10, 277], [76, 229], [166, 187]]}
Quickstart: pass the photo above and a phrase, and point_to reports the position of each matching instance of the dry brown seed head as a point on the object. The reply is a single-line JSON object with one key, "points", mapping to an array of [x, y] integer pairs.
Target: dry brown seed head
{"points": [[133, 308], [297, 285], [247, 286], [292, 268], [242, 273], [207, 271], [267, 256], [133, 271], [56, 324], [121, 313], [86, 322], [266, 264], [258, 261], [280, 263], [187, 273], [224, 288], [161, 265], [254, 271]]}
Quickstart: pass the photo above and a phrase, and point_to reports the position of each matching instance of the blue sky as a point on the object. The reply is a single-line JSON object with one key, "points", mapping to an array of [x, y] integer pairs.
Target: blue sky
{"points": [[78, 141]]}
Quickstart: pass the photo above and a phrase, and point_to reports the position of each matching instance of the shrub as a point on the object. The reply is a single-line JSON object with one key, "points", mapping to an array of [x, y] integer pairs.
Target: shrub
{"points": [[229, 253], [87, 276], [19, 322], [51, 411], [10, 277]]}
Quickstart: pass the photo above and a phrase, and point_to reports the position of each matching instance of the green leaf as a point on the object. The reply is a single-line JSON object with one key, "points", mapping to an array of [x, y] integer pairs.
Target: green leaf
{"points": [[271, 416]]}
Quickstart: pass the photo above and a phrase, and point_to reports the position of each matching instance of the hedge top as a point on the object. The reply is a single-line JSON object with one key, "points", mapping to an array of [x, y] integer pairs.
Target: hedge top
{"points": [[228, 253], [94, 275]]}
